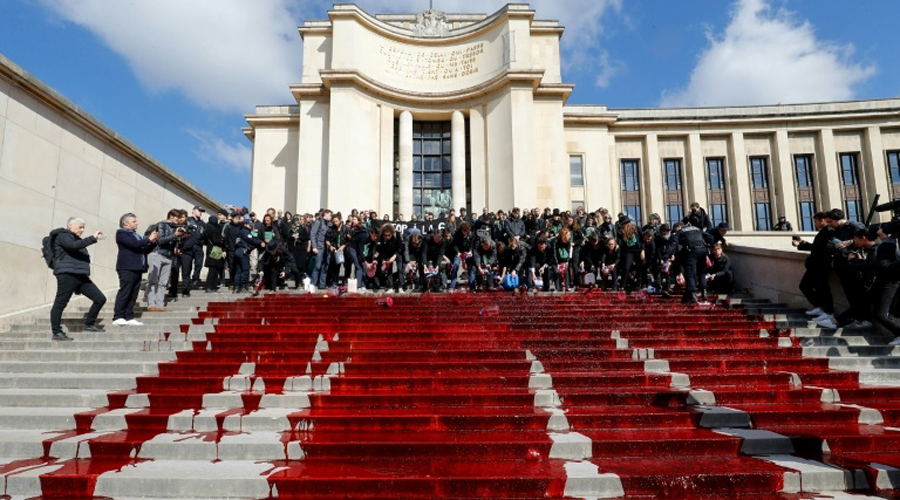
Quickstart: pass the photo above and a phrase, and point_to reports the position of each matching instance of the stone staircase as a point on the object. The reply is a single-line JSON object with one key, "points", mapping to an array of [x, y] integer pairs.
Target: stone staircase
{"points": [[456, 396]]}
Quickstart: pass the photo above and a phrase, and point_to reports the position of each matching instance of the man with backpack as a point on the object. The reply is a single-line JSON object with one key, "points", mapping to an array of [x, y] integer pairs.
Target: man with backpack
{"points": [[66, 253]]}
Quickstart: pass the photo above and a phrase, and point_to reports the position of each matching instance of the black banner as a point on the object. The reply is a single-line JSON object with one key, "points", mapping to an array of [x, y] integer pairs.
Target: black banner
{"points": [[425, 226]]}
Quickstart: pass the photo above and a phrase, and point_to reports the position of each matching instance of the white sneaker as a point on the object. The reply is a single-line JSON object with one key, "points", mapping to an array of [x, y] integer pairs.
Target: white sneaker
{"points": [[828, 323], [134, 322], [862, 324], [815, 312], [120, 322], [823, 317], [896, 341]]}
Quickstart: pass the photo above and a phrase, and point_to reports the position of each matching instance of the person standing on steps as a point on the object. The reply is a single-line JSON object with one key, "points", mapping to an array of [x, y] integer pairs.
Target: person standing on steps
{"points": [[131, 264], [72, 268], [160, 260], [815, 282]]}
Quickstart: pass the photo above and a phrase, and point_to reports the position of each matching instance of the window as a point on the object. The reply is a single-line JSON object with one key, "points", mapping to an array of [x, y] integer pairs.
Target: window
{"points": [[806, 201], [576, 204], [803, 171], [631, 189], [894, 166], [715, 185], [432, 166], [718, 214], [715, 174], [672, 172], [631, 181], [634, 211], [849, 169], [852, 209], [762, 216], [674, 213], [759, 173], [576, 169], [807, 211]]}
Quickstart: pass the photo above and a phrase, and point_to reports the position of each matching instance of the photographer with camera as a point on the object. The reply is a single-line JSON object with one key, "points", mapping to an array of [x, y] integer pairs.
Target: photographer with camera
{"points": [[698, 218], [160, 259], [814, 284]]}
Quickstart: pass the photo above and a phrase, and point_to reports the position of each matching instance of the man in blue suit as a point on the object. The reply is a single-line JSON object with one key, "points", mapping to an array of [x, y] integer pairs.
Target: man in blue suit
{"points": [[130, 265]]}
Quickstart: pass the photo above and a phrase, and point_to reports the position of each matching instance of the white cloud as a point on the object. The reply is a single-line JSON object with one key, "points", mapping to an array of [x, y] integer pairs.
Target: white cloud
{"points": [[216, 151], [227, 55], [767, 56]]}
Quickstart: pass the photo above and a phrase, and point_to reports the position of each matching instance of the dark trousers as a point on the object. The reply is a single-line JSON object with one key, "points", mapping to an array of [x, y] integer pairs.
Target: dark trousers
{"points": [[855, 291], [198, 262], [187, 265], [126, 298], [240, 267], [695, 260], [66, 285], [173, 277], [881, 296], [815, 287], [358, 265], [213, 276], [626, 266]]}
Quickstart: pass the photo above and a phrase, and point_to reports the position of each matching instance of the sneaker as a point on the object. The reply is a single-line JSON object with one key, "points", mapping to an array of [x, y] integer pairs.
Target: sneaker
{"points": [[896, 341], [156, 309], [860, 324], [134, 322], [61, 337], [823, 317], [828, 323], [93, 328], [815, 312], [120, 322]]}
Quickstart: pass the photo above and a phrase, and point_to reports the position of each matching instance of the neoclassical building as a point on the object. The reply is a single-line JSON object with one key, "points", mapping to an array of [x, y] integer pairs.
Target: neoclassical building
{"points": [[414, 113]]}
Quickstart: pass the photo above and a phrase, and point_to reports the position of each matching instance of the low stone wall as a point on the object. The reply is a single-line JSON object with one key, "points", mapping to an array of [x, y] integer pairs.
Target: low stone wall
{"points": [[775, 274]]}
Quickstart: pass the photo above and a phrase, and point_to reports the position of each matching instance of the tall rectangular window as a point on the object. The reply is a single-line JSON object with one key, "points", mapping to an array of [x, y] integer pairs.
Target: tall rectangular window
{"points": [[673, 186], [893, 159], [576, 170], [759, 183], [631, 189], [850, 185], [715, 187], [432, 173], [759, 173], [672, 172], [762, 216], [807, 211], [806, 196]]}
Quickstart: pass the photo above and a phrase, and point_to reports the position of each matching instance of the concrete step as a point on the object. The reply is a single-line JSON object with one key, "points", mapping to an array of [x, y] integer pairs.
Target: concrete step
{"points": [[93, 398], [112, 334], [74, 355], [64, 380], [844, 351], [66, 367], [88, 345]]}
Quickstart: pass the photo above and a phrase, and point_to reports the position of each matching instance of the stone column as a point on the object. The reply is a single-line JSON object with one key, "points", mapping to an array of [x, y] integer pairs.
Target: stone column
{"points": [[739, 192], [652, 180], [406, 164], [785, 202], [458, 158], [695, 173], [875, 174], [830, 185]]}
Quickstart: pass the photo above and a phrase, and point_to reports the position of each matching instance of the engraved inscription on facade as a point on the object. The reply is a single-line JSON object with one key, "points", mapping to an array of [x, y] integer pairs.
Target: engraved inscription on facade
{"points": [[432, 65]]}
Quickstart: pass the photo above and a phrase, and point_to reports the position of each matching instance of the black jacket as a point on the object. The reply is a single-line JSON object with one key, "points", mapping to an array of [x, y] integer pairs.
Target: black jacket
{"points": [[214, 238], [699, 219], [538, 259], [434, 252], [133, 250], [819, 255], [70, 253], [514, 226]]}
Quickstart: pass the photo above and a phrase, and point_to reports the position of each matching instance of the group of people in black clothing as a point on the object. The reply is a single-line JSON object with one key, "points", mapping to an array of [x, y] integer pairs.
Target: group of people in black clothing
{"points": [[866, 263], [497, 250]]}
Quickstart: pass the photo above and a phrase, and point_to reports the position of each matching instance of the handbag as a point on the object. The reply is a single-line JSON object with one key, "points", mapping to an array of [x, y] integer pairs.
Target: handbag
{"points": [[215, 253], [339, 257]]}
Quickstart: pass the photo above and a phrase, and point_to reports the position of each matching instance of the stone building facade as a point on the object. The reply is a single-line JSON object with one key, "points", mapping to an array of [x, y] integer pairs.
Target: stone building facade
{"points": [[414, 113]]}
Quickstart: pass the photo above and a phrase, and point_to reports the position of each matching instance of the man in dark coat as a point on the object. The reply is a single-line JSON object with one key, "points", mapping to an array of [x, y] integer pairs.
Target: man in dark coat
{"points": [[130, 265], [72, 267]]}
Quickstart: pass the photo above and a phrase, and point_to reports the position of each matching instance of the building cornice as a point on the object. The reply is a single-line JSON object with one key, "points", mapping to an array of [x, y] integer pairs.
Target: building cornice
{"points": [[66, 108], [336, 77]]}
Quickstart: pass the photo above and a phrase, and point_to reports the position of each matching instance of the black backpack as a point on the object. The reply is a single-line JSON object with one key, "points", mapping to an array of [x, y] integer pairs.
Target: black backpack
{"points": [[47, 250]]}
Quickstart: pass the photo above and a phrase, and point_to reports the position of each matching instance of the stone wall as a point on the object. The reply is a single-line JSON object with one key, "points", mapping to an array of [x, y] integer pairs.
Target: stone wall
{"points": [[775, 274], [56, 161]]}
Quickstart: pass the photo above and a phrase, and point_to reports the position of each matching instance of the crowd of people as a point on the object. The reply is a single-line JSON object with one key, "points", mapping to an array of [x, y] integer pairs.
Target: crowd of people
{"points": [[867, 265], [534, 249]]}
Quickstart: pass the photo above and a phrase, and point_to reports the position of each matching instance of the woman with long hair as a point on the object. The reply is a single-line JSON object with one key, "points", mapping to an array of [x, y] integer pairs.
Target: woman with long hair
{"points": [[631, 247]]}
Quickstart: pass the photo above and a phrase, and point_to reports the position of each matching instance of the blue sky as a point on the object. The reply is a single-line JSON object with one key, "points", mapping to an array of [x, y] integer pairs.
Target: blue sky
{"points": [[176, 77]]}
